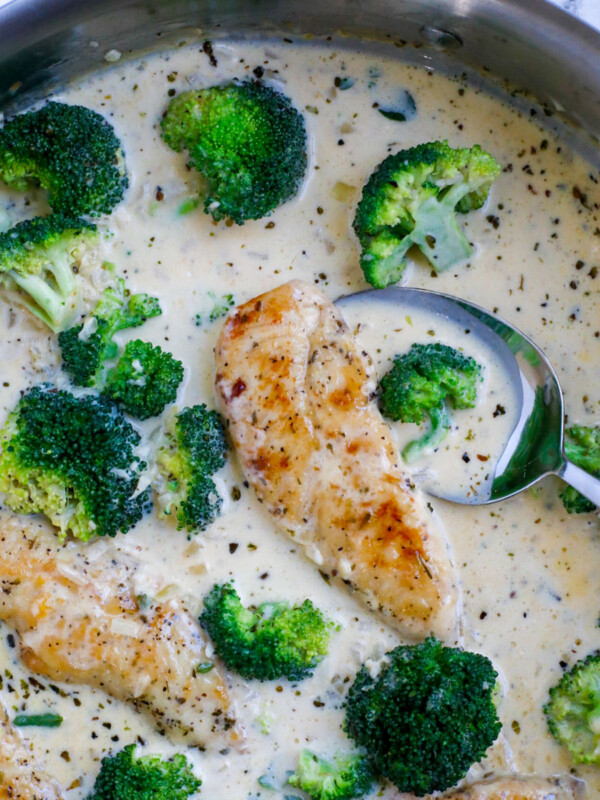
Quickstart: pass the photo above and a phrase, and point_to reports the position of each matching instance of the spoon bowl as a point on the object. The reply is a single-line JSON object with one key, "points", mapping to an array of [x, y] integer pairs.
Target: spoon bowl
{"points": [[535, 446]]}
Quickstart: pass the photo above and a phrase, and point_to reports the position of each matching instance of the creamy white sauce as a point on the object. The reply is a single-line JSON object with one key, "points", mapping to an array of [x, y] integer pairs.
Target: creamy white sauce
{"points": [[528, 571], [464, 463]]}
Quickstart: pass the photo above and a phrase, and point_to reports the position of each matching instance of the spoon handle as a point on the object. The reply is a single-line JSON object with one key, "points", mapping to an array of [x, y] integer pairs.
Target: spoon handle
{"points": [[579, 479]]}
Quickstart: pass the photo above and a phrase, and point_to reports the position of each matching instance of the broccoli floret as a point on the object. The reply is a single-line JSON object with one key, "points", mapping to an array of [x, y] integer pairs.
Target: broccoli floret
{"points": [[425, 382], [125, 777], [144, 380], [271, 641], [71, 151], [72, 459], [573, 710], [412, 198], [220, 307], [193, 448], [582, 447], [82, 349], [39, 258], [344, 778], [426, 717], [87, 346], [246, 139], [575, 503]]}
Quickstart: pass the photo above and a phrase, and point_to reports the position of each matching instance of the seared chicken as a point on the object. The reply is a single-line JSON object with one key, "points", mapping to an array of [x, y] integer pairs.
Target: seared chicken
{"points": [[20, 776], [299, 398], [78, 616], [522, 788]]}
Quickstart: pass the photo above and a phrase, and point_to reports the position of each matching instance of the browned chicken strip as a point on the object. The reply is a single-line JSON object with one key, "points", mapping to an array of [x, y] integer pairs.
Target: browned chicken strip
{"points": [[21, 777], [299, 398], [80, 622], [522, 788]]}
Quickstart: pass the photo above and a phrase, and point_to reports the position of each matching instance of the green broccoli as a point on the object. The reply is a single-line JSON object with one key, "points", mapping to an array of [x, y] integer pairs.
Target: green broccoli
{"points": [[39, 259], [582, 447], [193, 448], [411, 198], [344, 778], [423, 383], [573, 710], [71, 151], [246, 139], [220, 307], [125, 777], [269, 642], [85, 347], [72, 459], [426, 717], [144, 380]]}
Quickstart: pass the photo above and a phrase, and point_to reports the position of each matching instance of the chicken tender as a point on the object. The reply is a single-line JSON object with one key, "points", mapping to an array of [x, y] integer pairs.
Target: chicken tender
{"points": [[21, 778], [77, 613], [522, 788], [299, 398]]}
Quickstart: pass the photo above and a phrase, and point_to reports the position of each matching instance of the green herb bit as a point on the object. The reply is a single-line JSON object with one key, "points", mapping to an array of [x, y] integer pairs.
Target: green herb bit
{"points": [[221, 306], [47, 720], [374, 74], [144, 601], [189, 205], [343, 83], [266, 781], [404, 111]]}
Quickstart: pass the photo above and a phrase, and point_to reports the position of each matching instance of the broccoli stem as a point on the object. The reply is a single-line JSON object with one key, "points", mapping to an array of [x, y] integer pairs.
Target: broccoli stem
{"points": [[440, 425], [593, 720], [59, 265], [437, 232], [45, 302]]}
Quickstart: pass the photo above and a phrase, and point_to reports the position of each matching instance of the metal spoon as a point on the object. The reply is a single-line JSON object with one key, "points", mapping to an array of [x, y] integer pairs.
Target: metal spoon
{"points": [[535, 446]]}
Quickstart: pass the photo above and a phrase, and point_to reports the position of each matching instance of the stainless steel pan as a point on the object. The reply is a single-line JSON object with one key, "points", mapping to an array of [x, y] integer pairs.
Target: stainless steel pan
{"points": [[519, 44]]}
